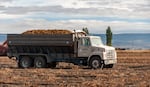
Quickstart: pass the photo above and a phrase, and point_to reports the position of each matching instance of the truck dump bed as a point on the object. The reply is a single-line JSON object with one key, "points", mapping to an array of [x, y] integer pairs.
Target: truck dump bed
{"points": [[40, 40]]}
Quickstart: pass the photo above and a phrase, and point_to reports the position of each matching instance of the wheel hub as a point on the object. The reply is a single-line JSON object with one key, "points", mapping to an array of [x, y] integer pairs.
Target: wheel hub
{"points": [[39, 63], [95, 63], [25, 63]]}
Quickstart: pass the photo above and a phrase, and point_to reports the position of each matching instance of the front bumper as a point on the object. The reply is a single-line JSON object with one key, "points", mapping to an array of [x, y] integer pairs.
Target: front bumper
{"points": [[110, 61]]}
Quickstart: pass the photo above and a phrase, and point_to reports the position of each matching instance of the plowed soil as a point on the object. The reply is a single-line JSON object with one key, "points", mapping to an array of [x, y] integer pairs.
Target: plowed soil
{"points": [[132, 70]]}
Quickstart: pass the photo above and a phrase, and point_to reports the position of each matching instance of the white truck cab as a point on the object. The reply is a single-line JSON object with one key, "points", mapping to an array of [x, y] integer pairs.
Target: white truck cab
{"points": [[98, 54]]}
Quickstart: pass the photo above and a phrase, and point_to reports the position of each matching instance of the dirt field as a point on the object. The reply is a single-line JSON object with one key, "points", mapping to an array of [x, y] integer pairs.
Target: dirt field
{"points": [[132, 70]]}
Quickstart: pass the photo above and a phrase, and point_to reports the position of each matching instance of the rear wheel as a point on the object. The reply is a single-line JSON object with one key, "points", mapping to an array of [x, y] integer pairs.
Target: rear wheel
{"points": [[40, 62], [25, 62], [95, 62]]}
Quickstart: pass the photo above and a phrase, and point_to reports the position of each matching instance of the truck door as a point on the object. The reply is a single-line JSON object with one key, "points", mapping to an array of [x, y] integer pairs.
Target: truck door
{"points": [[84, 47]]}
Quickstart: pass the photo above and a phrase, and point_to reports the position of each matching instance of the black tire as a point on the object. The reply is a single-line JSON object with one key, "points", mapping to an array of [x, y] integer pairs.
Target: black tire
{"points": [[39, 62], [52, 65], [25, 62], [95, 62], [109, 66]]}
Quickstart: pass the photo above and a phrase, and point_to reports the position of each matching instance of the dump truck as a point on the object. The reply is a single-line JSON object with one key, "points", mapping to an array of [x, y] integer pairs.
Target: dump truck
{"points": [[46, 50]]}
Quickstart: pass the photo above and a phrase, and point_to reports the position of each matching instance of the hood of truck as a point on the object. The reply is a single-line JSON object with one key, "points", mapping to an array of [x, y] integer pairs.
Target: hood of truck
{"points": [[105, 47]]}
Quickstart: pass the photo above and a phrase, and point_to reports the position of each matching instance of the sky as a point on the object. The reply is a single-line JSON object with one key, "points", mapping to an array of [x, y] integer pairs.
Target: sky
{"points": [[123, 16]]}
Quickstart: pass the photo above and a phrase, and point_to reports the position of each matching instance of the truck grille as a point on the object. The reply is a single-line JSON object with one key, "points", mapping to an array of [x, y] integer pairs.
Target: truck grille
{"points": [[110, 54]]}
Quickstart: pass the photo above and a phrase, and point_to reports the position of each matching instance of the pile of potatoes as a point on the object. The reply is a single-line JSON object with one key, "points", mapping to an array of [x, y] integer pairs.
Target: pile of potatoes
{"points": [[47, 32]]}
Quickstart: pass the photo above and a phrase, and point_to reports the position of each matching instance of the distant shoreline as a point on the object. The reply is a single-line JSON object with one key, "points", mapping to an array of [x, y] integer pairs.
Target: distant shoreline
{"points": [[127, 41]]}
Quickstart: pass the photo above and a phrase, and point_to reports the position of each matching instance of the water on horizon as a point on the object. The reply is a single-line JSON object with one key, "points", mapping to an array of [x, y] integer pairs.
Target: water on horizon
{"points": [[128, 41]]}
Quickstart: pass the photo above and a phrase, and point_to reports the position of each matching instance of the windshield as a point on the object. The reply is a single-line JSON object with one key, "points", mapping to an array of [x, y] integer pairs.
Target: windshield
{"points": [[96, 41]]}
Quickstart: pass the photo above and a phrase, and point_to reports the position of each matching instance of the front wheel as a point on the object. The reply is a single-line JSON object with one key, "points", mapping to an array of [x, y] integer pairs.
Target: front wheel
{"points": [[39, 62], [95, 62]]}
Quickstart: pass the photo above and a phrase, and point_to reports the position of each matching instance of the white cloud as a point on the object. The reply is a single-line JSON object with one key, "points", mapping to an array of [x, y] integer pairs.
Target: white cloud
{"points": [[7, 16], [93, 25], [25, 11], [115, 8]]}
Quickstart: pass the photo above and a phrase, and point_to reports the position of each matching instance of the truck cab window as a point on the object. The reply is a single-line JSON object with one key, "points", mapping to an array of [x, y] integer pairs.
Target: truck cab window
{"points": [[85, 41]]}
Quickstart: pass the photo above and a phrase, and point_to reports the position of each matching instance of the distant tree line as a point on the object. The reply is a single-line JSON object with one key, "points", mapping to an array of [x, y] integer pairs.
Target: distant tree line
{"points": [[86, 30]]}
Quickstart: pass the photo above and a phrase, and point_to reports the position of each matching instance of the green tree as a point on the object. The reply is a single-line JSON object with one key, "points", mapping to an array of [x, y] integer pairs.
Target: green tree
{"points": [[85, 30], [109, 36]]}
